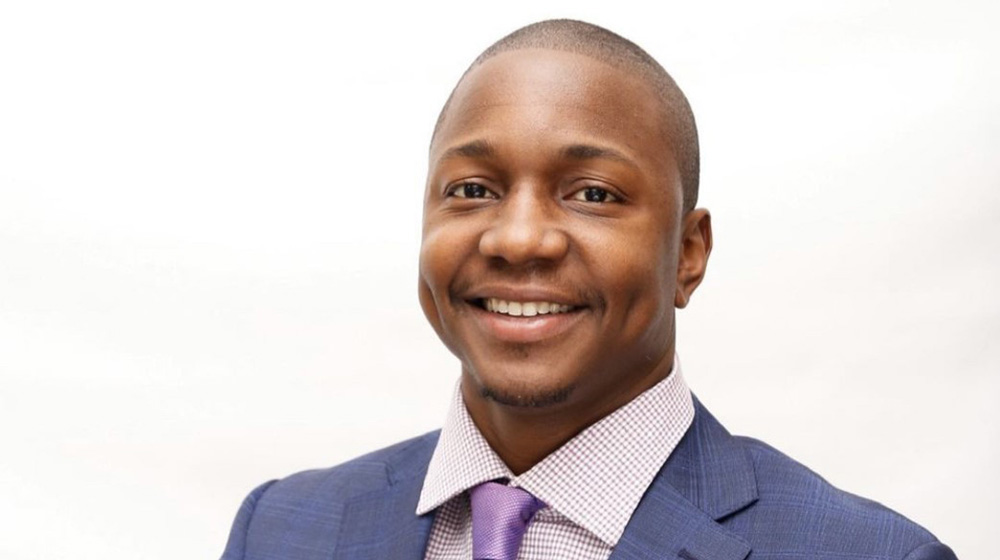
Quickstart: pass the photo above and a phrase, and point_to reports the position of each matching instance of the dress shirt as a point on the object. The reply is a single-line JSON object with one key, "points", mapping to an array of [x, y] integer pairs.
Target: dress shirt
{"points": [[591, 485]]}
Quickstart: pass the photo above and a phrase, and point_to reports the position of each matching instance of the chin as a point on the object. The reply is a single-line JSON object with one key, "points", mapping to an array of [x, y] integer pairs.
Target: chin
{"points": [[518, 391], [529, 398]]}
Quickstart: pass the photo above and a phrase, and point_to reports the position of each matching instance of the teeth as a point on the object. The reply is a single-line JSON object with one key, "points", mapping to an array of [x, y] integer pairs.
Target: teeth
{"points": [[524, 308]]}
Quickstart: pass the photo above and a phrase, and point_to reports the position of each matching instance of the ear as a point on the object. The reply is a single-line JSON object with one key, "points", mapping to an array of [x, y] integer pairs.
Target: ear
{"points": [[696, 244]]}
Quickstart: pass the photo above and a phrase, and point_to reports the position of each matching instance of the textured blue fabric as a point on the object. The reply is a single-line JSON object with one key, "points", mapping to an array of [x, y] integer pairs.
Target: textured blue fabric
{"points": [[718, 497]]}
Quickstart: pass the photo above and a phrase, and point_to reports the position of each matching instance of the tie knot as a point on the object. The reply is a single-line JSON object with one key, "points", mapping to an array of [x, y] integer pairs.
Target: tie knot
{"points": [[500, 516]]}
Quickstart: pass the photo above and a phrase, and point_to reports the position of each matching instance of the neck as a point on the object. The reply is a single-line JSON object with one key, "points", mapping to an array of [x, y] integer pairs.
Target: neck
{"points": [[522, 436]]}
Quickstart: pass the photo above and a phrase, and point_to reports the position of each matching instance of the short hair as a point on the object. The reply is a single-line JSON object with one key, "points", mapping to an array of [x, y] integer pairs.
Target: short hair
{"points": [[598, 43]]}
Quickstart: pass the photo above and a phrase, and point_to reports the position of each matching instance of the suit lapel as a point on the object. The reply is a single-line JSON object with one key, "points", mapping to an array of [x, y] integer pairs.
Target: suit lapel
{"points": [[666, 525], [382, 523], [708, 477]]}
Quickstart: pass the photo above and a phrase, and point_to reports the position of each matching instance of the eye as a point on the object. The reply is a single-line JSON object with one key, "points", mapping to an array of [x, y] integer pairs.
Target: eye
{"points": [[595, 194], [470, 190]]}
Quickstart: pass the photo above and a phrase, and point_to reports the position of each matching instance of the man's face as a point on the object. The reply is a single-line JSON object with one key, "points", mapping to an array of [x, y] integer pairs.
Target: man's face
{"points": [[552, 222]]}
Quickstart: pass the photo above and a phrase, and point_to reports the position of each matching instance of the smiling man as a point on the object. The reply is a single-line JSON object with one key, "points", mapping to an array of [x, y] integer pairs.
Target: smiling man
{"points": [[560, 235]]}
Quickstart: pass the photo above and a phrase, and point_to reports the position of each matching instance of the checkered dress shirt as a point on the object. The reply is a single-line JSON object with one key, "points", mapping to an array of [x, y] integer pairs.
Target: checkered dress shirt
{"points": [[591, 485]]}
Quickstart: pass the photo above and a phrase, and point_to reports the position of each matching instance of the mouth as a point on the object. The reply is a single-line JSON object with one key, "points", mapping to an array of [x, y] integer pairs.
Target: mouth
{"points": [[522, 308], [523, 322]]}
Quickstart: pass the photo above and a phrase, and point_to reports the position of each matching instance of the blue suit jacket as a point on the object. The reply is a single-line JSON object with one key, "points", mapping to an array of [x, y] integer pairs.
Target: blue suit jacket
{"points": [[718, 497]]}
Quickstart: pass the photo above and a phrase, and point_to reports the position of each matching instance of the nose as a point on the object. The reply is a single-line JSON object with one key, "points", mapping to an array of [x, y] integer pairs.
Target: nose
{"points": [[525, 229]]}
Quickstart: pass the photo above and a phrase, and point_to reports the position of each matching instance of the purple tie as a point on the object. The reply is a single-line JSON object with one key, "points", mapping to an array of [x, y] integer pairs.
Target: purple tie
{"points": [[500, 515]]}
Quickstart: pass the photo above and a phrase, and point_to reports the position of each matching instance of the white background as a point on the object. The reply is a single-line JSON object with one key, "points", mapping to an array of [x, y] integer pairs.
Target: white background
{"points": [[210, 217]]}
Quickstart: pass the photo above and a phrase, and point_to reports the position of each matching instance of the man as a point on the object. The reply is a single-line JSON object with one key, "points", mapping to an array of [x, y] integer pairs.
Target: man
{"points": [[560, 233]]}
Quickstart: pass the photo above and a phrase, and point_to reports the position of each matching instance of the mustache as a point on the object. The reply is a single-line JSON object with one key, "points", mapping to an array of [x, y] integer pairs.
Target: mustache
{"points": [[528, 276]]}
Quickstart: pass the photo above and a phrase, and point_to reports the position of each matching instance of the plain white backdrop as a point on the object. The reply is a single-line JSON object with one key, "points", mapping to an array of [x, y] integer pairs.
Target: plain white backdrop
{"points": [[210, 218]]}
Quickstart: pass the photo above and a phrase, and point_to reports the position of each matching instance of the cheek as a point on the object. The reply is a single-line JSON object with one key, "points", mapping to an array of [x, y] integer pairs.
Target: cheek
{"points": [[440, 255], [442, 252], [637, 269], [646, 284], [630, 258]]}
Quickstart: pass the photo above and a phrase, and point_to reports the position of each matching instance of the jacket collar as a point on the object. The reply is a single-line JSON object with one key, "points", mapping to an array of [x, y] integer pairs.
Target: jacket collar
{"points": [[381, 523], [709, 476]]}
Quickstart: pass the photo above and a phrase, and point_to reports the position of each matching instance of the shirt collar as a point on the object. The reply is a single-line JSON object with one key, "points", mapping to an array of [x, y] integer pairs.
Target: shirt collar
{"points": [[596, 479]]}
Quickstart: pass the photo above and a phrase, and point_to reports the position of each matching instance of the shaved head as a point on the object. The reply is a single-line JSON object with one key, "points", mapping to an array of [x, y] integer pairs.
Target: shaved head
{"points": [[600, 44]]}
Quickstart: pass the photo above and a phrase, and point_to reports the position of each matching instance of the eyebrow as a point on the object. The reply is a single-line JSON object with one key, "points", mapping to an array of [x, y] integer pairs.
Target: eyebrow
{"points": [[474, 149], [586, 151], [482, 149]]}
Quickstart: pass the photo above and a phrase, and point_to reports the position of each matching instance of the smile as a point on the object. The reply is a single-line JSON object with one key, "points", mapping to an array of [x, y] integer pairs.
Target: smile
{"points": [[524, 308], [525, 321]]}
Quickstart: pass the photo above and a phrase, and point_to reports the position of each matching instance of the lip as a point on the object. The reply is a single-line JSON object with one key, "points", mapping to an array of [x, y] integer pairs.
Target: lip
{"points": [[522, 330], [524, 293]]}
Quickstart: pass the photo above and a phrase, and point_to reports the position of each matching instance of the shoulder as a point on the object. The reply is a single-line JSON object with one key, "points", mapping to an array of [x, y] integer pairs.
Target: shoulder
{"points": [[369, 472], [797, 508], [309, 506]]}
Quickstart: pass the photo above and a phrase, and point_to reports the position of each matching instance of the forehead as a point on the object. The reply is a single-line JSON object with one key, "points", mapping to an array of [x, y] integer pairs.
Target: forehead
{"points": [[539, 94]]}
